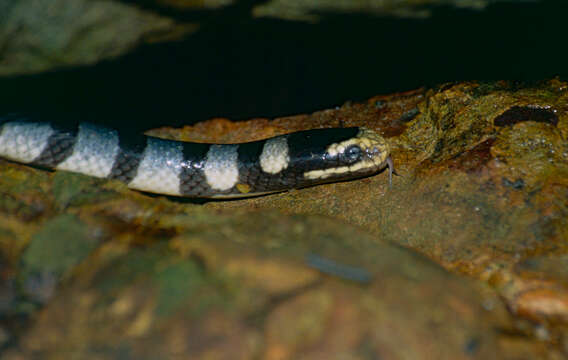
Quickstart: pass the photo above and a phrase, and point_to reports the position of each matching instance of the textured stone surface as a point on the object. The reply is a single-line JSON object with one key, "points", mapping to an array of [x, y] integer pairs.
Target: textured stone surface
{"points": [[475, 224], [312, 10], [39, 35], [43, 35]]}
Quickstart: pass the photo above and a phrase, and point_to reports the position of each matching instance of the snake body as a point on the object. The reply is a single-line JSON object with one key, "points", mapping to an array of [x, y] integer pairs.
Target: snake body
{"points": [[177, 168]]}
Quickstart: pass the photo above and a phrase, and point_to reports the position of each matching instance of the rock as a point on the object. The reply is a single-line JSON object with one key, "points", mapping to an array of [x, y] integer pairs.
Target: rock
{"points": [[310, 10], [229, 288], [40, 35], [475, 223]]}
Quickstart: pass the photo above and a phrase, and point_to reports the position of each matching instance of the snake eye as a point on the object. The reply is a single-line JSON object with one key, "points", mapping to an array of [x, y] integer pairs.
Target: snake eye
{"points": [[353, 153]]}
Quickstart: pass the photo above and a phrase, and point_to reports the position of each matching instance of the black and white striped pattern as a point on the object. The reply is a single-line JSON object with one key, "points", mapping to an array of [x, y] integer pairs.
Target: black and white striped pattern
{"points": [[188, 169]]}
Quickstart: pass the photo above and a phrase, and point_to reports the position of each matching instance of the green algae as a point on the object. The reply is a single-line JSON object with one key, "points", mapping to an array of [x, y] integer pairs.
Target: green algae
{"points": [[75, 190], [178, 284], [62, 243]]}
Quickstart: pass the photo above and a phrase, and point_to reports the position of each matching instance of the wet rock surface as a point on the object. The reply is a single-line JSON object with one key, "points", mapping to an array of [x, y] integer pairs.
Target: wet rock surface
{"points": [[37, 35], [463, 257], [43, 35], [311, 10]]}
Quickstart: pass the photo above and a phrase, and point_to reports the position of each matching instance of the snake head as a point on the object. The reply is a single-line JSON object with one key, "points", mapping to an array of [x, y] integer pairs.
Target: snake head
{"points": [[363, 154]]}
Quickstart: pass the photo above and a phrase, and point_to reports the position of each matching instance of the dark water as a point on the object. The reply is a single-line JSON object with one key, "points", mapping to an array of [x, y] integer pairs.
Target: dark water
{"points": [[239, 67]]}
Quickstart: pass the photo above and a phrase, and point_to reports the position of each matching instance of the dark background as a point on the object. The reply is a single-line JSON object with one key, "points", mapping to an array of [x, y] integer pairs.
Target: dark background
{"points": [[239, 67]]}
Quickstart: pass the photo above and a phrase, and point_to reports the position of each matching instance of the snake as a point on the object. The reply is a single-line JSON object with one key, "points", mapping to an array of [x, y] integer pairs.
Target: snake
{"points": [[189, 169]]}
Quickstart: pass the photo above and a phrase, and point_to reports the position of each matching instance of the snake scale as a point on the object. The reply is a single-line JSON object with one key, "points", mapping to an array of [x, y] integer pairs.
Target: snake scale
{"points": [[188, 169]]}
